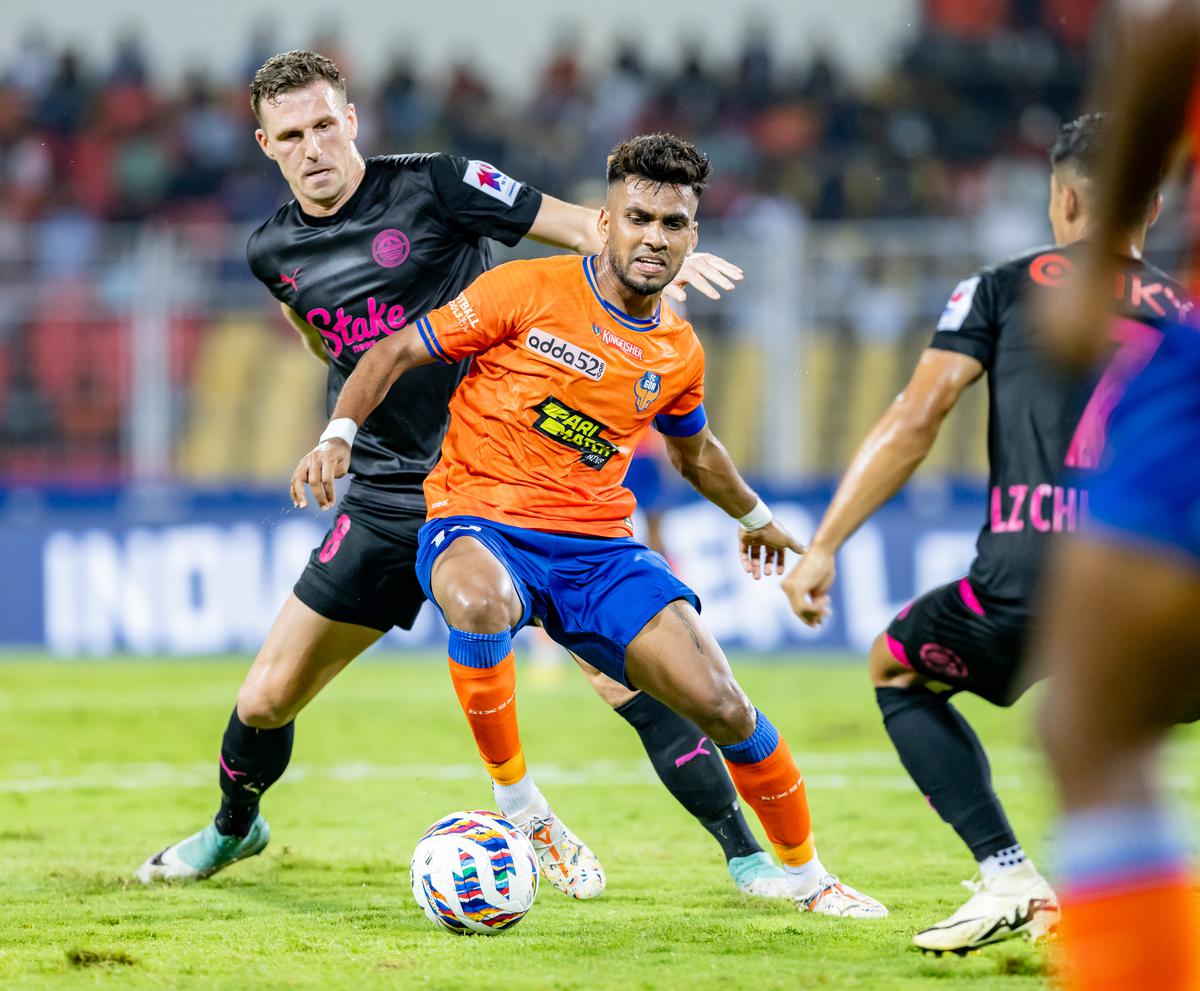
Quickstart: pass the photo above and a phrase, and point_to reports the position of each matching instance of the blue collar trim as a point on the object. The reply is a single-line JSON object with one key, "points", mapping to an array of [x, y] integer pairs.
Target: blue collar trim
{"points": [[619, 315]]}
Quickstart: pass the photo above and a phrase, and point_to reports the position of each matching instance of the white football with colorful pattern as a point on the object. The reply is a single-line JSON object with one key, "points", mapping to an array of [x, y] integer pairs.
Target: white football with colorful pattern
{"points": [[472, 872]]}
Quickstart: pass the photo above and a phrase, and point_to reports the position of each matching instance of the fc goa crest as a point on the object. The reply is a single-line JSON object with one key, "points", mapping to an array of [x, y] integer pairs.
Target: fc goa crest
{"points": [[646, 390]]}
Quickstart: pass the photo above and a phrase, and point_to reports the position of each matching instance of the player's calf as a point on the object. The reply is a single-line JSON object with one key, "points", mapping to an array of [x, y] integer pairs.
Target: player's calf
{"points": [[947, 763], [689, 764], [249, 762], [484, 674], [480, 604], [676, 659]]}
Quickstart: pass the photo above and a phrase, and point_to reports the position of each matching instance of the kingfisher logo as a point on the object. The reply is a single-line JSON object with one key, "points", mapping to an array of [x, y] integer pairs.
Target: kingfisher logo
{"points": [[646, 391], [490, 180], [341, 330], [611, 339]]}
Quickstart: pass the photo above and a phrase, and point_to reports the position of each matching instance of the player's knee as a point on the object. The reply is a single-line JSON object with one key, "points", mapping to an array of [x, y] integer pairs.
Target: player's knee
{"points": [[476, 604], [730, 716], [265, 706]]}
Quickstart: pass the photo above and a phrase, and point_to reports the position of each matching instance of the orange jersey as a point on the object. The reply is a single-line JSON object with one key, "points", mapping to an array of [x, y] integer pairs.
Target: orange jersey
{"points": [[563, 386]]}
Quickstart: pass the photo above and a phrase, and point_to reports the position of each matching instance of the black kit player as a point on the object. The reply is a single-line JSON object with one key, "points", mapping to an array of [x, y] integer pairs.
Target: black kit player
{"points": [[970, 635], [364, 248]]}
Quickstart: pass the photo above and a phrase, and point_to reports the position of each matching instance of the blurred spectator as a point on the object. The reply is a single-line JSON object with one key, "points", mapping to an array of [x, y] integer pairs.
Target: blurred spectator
{"points": [[129, 61], [66, 99], [958, 124], [33, 66], [984, 79]]}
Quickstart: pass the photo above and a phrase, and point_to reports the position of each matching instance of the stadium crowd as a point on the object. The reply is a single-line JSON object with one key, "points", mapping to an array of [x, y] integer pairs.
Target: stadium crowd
{"points": [[92, 154], [981, 81]]}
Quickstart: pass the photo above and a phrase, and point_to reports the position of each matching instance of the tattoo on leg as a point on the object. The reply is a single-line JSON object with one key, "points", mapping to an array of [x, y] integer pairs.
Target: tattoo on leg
{"points": [[678, 611]]}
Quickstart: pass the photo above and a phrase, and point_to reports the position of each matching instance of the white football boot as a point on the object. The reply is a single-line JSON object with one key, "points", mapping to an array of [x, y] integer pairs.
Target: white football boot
{"points": [[565, 860], [834, 897], [1018, 902]]}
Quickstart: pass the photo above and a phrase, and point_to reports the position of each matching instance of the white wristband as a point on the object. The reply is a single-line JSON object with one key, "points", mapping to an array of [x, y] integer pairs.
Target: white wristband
{"points": [[343, 428], [757, 518]]}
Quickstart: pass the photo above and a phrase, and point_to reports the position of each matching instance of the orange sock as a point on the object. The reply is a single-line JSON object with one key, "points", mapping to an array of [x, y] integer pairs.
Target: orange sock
{"points": [[486, 688], [1119, 939], [770, 783]]}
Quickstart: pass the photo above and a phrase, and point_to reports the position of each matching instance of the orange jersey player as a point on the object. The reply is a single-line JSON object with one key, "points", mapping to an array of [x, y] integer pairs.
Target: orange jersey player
{"points": [[363, 242], [529, 519], [565, 385]]}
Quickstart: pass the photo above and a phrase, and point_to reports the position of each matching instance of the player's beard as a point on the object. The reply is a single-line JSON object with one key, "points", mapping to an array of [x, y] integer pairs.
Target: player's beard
{"points": [[638, 284]]}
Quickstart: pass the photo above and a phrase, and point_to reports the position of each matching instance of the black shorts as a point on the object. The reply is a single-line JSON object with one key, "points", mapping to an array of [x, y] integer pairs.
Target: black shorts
{"points": [[364, 570], [971, 642]]}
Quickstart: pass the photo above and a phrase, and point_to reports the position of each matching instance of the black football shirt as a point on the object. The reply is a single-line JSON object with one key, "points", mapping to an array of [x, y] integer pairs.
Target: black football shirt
{"points": [[1045, 427], [410, 239]]}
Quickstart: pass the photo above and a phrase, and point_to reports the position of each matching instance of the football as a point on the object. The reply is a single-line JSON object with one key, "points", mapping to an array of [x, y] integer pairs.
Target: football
{"points": [[472, 872]]}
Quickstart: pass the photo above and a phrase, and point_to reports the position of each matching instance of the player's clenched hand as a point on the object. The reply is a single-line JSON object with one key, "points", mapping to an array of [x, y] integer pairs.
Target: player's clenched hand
{"points": [[701, 270], [317, 469], [807, 585], [763, 549]]}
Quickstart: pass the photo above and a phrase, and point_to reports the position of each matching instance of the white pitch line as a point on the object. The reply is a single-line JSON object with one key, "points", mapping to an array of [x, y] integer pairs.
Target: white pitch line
{"points": [[876, 770], [142, 776]]}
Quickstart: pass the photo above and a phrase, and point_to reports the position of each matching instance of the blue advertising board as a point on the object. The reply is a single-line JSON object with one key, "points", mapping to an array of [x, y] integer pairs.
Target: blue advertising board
{"points": [[192, 573]]}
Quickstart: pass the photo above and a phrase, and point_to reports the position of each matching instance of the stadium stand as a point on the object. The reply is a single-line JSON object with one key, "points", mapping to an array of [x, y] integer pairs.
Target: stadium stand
{"points": [[95, 156]]}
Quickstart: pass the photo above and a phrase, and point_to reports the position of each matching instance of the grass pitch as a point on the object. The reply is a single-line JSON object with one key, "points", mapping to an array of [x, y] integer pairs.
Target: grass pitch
{"points": [[103, 763]]}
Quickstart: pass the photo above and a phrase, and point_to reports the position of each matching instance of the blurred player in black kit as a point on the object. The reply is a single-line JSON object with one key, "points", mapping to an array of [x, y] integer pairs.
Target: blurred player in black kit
{"points": [[971, 635], [364, 247]]}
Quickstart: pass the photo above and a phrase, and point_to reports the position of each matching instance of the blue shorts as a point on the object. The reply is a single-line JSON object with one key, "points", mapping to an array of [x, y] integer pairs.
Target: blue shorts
{"points": [[593, 595], [1148, 486]]}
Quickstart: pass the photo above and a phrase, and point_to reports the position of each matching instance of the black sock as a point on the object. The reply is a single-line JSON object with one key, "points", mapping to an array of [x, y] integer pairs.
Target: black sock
{"points": [[693, 771], [944, 757], [251, 760]]}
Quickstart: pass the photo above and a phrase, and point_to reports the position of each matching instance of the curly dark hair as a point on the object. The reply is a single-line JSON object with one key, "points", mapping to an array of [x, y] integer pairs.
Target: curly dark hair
{"points": [[661, 158], [290, 71]]}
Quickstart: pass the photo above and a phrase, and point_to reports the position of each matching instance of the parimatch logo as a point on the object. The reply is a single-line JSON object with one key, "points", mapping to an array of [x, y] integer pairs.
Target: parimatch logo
{"points": [[575, 430]]}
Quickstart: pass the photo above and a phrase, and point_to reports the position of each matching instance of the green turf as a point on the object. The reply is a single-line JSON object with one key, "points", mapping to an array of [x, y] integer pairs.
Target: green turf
{"points": [[103, 763]]}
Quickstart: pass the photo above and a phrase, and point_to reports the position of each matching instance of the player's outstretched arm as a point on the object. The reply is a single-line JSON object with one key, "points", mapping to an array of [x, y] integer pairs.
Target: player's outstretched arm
{"points": [[374, 374], [308, 334], [567, 225], [884, 461], [577, 228], [703, 461]]}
